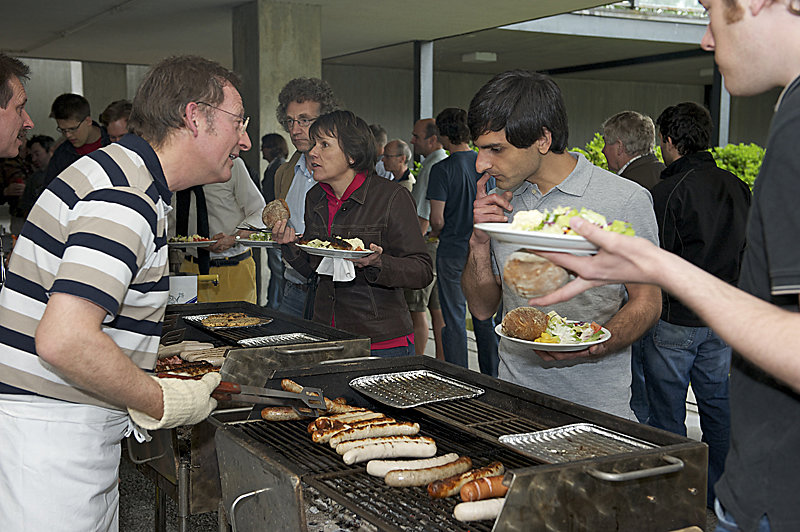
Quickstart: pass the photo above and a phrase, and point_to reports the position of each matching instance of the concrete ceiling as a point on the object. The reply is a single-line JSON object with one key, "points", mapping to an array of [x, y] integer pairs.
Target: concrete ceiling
{"points": [[366, 33]]}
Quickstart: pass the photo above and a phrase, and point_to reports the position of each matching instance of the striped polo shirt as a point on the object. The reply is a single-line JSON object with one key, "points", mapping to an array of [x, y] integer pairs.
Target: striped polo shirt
{"points": [[97, 232]]}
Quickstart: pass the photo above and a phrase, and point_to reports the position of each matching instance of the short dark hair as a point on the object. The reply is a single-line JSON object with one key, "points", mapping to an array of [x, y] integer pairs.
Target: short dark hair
{"points": [[10, 67], [275, 145], [524, 103], [452, 123], [45, 141], [70, 106], [306, 90], [116, 110], [689, 126], [160, 102], [354, 136]]}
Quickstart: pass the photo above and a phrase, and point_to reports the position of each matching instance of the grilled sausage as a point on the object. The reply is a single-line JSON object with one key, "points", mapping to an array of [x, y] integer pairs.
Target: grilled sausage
{"points": [[419, 477], [289, 385], [328, 422], [398, 449], [478, 510], [398, 428], [280, 413], [483, 488], [324, 435], [352, 444], [379, 468], [452, 485], [333, 407]]}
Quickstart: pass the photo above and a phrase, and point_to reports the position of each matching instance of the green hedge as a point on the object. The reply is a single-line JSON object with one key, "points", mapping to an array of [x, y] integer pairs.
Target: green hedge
{"points": [[742, 160]]}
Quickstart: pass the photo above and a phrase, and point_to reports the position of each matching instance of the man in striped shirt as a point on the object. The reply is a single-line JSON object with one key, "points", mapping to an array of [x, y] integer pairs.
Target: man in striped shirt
{"points": [[82, 307]]}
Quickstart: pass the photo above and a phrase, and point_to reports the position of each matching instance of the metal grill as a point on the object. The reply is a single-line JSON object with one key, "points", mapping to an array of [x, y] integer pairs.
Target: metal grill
{"points": [[394, 509]]}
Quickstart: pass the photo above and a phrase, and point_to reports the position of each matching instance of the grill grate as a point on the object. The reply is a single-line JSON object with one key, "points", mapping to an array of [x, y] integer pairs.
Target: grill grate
{"points": [[393, 509]]}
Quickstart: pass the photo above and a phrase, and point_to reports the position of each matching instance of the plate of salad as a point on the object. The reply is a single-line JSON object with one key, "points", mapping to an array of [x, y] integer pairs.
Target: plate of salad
{"points": [[549, 230], [258, 240], [563, 335]]}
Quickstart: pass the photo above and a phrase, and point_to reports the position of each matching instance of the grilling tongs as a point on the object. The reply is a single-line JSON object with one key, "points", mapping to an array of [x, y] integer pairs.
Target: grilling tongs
{"points": [[311, 397]]}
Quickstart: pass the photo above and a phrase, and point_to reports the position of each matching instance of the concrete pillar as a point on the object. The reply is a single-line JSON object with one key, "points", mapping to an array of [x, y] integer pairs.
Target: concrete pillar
{"points": [[273, 42], [423, 79]]}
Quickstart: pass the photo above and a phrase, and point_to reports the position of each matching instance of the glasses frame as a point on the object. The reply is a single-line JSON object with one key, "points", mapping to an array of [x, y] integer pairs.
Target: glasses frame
{"points": [[69, 130], [289, 122], [243, 119]]}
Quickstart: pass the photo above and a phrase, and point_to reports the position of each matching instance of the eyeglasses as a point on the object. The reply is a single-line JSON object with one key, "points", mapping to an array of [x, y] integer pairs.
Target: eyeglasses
{"points": [[302, 122], [243, 120], [69, 130]]}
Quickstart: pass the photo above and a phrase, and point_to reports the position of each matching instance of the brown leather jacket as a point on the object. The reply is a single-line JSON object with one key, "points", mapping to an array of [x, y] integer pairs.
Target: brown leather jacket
{"points": [[284, 176], [372, 304]]}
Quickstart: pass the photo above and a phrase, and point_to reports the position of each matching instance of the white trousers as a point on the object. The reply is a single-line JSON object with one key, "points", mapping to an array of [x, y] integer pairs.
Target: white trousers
{"points": [[59, 465]]}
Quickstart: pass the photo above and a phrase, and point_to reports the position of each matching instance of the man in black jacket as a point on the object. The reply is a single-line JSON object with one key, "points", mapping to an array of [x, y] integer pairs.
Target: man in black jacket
{"points": [[701, 212], [83, 135]]}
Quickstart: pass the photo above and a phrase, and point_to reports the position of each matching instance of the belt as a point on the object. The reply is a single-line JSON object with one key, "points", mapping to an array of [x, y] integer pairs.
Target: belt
{"points": [[227, 261]]}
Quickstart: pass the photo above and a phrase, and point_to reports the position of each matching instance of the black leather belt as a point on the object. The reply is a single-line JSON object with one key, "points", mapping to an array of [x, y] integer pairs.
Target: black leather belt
{"points": [[227, 261]]}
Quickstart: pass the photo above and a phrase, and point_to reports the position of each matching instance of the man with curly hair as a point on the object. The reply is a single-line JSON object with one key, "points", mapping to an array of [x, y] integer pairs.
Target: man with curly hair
{"points": [[300, 102]]}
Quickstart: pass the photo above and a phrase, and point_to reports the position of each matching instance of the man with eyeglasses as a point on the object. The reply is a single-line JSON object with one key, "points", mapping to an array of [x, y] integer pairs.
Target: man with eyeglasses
{"points": [[83, 135], [82, 309], [300, 102]]}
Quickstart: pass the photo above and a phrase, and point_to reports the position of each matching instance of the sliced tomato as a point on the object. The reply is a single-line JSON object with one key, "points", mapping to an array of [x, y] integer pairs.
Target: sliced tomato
{"points": [[595, 327]]}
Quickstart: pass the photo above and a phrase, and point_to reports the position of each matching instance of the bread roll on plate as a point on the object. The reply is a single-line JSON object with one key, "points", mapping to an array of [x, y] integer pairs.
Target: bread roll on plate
{"points": [[530, 275], [274, 212], [526, 323]]}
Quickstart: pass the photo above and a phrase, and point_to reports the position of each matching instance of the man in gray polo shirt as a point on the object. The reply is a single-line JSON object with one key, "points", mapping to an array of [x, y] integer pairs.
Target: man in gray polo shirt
{"points": [[519, 124]]}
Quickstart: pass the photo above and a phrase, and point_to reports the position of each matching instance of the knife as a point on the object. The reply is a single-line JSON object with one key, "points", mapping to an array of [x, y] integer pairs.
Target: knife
{"points": [[311, 397]]}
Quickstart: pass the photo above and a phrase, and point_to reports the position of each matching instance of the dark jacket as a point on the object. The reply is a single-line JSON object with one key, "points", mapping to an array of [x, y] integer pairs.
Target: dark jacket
{"points": [[268, 183], [378, 212], [645, 170], [66, 154], [702, 212]]}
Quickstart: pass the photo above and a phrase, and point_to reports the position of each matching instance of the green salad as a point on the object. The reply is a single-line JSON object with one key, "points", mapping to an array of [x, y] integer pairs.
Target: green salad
{"points": [[557, 221]]}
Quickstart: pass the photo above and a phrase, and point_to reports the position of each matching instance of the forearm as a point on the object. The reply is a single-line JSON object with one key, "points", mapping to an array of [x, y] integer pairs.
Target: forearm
{"points": [[479, 283]]}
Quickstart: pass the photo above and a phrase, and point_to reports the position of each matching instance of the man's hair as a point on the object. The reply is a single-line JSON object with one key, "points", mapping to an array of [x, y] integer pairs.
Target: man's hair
{"points": [[689, 126], [430, 127], [70, 107], [275, 145], [10, 67], [452, 123], [405, 149], [115, 111], [159, 106], [354, 137], [46, 142], [636, 131], [524, 103], [381, 137], [306, 90]]}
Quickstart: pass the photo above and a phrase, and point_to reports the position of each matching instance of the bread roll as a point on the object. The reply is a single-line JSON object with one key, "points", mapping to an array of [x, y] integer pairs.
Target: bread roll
{"points": [[526, 323], [274, 212], [530, 275]]}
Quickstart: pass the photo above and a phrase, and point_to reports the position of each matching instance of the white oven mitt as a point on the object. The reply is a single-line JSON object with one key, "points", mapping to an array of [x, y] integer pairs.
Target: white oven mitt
{"points": [[340, 269], [186, 402]]}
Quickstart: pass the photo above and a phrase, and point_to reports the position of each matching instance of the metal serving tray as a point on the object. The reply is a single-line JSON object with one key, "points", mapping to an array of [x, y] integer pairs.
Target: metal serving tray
{"points": [[197, 320], [279, 339], [408, 389], [570, 443]]}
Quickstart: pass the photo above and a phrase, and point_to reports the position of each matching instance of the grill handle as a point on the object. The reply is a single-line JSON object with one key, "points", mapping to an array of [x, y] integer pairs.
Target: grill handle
{"points": [[140, 461], [299, 350], [675, 465], [239, 499]]}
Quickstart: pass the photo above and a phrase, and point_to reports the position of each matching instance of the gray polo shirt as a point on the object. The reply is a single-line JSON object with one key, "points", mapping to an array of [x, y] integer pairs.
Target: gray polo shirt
{"points": [[598, 382]]}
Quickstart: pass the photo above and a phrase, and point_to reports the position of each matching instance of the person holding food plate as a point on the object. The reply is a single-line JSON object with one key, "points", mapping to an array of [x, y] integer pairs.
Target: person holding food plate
{"points": [[519, 124], [362, 292]]}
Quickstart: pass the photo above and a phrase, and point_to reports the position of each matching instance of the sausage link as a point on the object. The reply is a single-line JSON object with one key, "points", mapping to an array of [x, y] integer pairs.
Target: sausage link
{"points": [[398, 428], [483, 488], [379, 468], [389, 450], [401, 478], [478, 510], [346, 446], [324, 435], [451, 486]]}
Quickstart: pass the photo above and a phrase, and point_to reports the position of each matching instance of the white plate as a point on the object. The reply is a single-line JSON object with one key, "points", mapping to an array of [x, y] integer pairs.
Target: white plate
{"points": [[543, 346], [198, 244], [575, 244], [334, 253], [257, 243]]}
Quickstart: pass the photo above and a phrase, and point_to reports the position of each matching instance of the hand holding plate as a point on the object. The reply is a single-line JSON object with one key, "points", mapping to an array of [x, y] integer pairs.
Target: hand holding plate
{"points": [[283, 232], [373, 259]]}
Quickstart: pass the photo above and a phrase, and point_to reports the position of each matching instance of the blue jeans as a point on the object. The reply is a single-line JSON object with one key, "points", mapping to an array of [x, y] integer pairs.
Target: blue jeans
{"points": [[639, 404], [401, 351], [454, 311], [276, 280], [294, 299], [673, 357], [726, 522]]}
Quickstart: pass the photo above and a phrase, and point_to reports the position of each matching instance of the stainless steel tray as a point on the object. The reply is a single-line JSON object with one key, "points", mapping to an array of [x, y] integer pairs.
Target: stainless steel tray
{"points": [[408, 389], [574, 442], [198, 321], [279, 339]]}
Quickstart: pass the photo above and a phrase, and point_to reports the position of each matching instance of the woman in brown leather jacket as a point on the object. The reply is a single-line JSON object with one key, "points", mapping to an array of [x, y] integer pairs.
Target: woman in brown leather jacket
{"points": [[351, 201]]}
